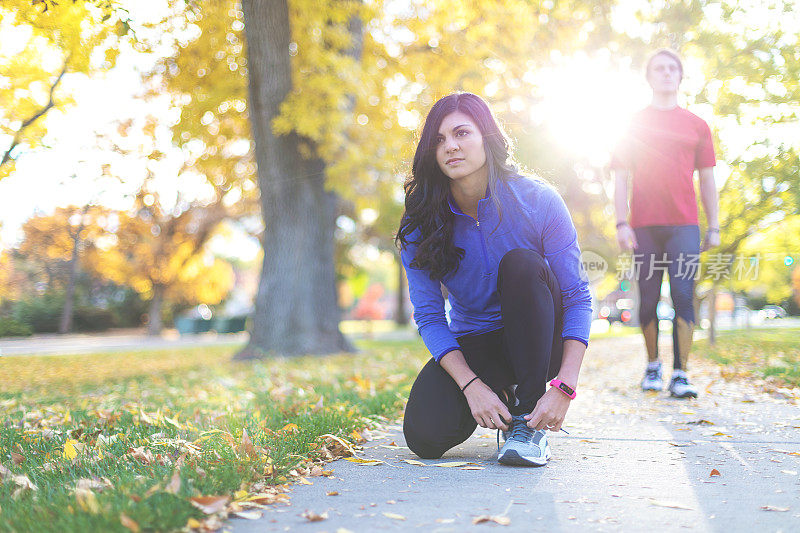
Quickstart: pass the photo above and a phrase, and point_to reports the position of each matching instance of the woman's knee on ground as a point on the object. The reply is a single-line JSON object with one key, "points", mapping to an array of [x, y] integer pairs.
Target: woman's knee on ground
{"points": [[425, 446]]}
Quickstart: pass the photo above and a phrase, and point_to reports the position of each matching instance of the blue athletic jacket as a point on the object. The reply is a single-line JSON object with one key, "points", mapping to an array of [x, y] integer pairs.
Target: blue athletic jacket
{"points": [[534, 217]]}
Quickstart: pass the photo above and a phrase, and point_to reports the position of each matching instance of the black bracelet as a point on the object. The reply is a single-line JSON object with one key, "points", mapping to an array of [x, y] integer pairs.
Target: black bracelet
{"points": [[621, 224], [468, 384]]}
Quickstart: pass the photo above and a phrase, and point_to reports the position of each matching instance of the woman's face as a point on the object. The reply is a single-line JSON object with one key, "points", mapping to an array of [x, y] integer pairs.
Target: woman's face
{"points": [[459, 147]]}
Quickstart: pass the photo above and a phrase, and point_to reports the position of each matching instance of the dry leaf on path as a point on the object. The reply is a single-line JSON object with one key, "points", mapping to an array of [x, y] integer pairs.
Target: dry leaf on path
{"points": [[790, 472], [367, 462], [773, 508], [249, 515], [671, 505], [129, 523], [332, 493], [414, 462], [210, 504], [452, 464], [471, 467], [394, 516], [502, 520], [714, 472], [304, 481], [311, 516]]}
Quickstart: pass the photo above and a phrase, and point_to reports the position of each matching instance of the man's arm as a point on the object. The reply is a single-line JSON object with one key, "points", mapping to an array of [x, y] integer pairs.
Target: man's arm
{"points": [[710, 200], [625, 235]]}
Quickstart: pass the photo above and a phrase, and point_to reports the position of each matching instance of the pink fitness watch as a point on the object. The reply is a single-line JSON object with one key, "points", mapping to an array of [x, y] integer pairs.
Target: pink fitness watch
{"points": [[563, 387]]}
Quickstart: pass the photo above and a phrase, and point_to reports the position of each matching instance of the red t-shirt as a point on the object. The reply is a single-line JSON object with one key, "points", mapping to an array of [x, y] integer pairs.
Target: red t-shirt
{"points": [[661, 149]]}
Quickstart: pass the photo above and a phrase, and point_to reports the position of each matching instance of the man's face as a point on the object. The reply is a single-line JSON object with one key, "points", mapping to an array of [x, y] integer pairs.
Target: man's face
{"points": [[664, 74]]}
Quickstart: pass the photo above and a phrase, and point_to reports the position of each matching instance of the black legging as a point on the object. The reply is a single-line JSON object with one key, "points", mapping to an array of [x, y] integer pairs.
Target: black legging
{"points": [[526, 351]]}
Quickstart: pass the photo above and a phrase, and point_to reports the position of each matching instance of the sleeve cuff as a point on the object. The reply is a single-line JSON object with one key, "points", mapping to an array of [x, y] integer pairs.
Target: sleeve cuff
{"points": [[438, 357], [576, 339]]}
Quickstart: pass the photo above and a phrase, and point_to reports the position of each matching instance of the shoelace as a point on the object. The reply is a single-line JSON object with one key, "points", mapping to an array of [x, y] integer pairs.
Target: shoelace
{"points": [[680, 380], [652, 373], [519, 431]]}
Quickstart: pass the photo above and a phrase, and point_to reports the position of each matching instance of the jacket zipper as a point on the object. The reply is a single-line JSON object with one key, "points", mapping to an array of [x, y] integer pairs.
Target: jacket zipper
{"points": [[483, 246]]}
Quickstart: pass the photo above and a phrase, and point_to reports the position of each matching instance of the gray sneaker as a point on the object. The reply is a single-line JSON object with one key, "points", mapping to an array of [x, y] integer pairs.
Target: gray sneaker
{"points": [[679, 385], [652, 377], [525, 446]]}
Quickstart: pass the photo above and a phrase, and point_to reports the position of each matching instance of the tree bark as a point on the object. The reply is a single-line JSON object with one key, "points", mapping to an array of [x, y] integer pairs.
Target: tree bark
{"points": [[296, 311], [154, 322], [65, 325], [712, 315], [400, 318]]}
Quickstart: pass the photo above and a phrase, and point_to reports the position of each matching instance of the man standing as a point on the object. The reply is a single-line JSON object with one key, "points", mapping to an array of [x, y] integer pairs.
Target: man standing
{"points": [[660, 152]]}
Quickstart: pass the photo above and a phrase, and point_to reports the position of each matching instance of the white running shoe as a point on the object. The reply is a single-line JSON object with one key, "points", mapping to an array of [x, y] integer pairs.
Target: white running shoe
{"points": [[680, 387], [652, 377]]}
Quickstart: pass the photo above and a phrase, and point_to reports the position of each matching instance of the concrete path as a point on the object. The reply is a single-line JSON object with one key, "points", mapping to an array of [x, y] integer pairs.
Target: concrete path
{"points": [[632, 462], [120, 340]]}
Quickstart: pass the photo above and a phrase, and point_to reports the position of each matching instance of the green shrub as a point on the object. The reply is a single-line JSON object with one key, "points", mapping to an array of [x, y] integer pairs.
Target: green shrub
{"points": [[11, 328], [42, 314], [92, 319]]}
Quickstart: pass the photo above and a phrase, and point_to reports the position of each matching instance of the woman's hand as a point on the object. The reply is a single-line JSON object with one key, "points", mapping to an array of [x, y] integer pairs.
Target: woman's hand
{"points": [[550, 411], [487, 408]]}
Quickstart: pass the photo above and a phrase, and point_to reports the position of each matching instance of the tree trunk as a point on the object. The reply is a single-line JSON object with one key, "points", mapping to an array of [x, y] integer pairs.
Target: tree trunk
{"points": [[154, 323], [65, 325], [296, 311], [400, 318], [712, 315]]}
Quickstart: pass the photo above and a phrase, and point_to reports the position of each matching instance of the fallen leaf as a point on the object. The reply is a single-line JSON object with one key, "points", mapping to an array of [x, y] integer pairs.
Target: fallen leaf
{"points": [[311, 516], [414, 462], [304, 481], [246, 447], [452, 464], [357, 437], [332, 493], [87, 500], [671, 505], [502, 520], [174, 484], [681, 444], [95, 483], [369, 462], [72, 448], [714, 472], [393, 443], [394, 516], [790, 472], [445, 520], [210, 504], [701, 422], [128, 522], [473, 468], [290, 428], [5, 473], [315, 471], [194, 523], [773, 508], [318, 405], [249, 514], [720, 434], [17, 458]]}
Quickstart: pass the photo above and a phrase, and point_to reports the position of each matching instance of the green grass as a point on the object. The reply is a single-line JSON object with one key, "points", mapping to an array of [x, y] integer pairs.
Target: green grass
{"points": [[762, 352], [187, 407]]}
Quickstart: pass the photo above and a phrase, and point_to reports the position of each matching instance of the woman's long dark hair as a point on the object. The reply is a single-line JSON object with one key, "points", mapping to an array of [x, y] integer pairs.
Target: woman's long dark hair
{"points": [[427, 189]]}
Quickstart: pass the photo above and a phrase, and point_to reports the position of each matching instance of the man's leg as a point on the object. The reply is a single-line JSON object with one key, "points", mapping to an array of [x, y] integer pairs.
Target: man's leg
{"points": [[683, 249], [649, 250]]}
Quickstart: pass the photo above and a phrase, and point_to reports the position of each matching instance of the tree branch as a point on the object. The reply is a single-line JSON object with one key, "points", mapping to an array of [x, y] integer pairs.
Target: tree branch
{"points": [[36, 116]]}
